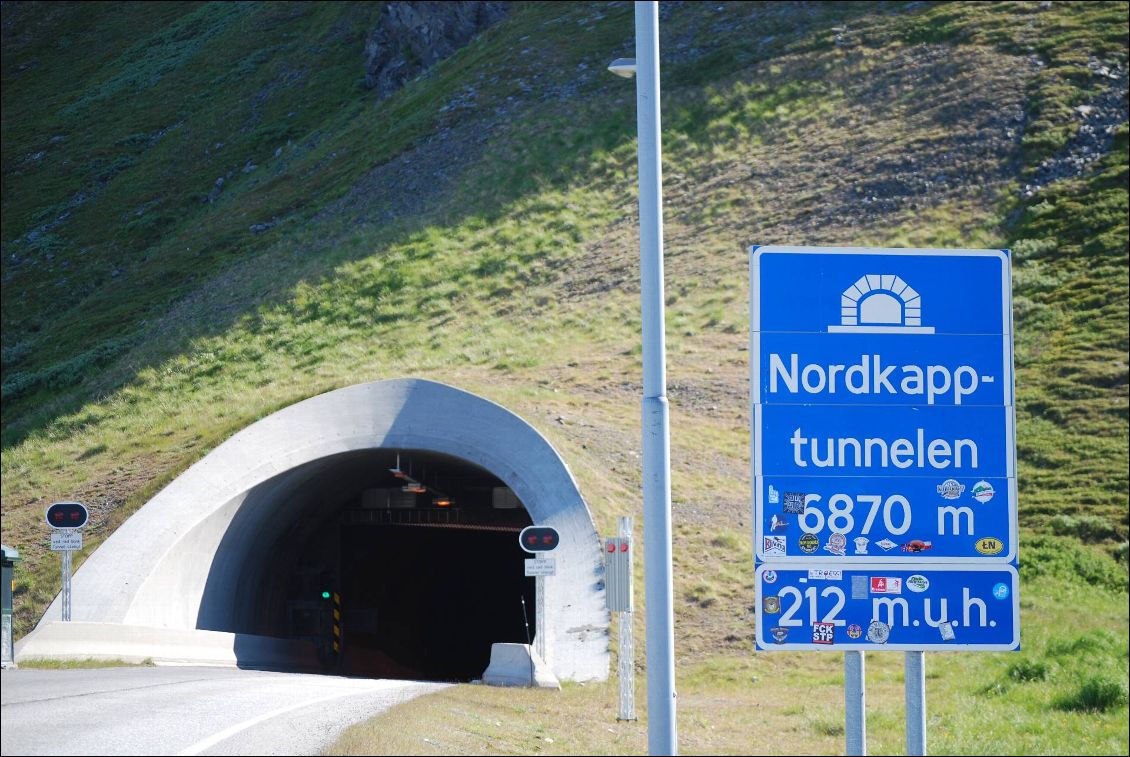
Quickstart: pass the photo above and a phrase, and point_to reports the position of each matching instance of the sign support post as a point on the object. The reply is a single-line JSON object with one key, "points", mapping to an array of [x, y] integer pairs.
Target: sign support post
{"points": [[915, 682], [627, 661], [855, 703], [65, 557], [541, 628]]}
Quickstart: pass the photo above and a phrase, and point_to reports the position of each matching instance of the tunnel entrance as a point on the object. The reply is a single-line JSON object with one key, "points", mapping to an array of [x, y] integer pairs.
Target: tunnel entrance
{"points": [[428, 602], [398, 563], [237, 559]]}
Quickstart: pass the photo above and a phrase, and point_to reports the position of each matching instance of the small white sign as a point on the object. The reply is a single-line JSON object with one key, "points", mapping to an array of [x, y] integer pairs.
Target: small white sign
{"points": [[545, 566], [824, 574], [66, 540]]}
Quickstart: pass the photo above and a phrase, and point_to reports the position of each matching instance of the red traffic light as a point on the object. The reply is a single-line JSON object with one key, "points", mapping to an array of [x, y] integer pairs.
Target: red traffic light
{"points": [[539, 539], [67, 515]]}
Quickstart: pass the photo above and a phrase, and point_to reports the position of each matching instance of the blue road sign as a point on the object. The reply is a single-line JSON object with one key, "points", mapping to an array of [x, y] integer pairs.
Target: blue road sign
{"points": [[882, 391], [878, 606]]}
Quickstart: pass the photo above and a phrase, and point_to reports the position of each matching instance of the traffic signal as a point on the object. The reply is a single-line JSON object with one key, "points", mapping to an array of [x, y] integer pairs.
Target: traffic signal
{"points": [[67, 515], [539, 539]]}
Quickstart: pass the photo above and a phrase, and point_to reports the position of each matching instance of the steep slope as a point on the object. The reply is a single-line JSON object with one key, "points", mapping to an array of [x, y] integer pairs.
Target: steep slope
{"points": [[478, 227]]}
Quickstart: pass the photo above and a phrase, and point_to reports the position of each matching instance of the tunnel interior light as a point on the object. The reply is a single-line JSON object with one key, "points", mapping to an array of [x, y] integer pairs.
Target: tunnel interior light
{"points": [[411, 486]]}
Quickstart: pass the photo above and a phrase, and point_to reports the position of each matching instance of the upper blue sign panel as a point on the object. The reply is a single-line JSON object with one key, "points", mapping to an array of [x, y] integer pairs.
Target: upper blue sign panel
{"points": [[876, 291], [882, 384]]}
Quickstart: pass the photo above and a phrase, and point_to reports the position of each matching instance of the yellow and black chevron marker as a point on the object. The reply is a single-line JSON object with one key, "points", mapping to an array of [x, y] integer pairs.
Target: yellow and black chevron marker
{"points": [[337, 627]]}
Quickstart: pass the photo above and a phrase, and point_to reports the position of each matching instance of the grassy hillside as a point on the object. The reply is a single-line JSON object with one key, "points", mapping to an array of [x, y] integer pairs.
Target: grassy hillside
{"points": [[479, 228]]}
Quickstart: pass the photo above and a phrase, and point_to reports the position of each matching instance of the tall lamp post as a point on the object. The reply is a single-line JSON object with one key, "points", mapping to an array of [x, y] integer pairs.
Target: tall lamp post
{"points": [[659, 595]]}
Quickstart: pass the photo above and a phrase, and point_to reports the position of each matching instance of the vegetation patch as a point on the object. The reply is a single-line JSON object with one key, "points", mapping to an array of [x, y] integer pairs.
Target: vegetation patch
{"points": [[1096, 693], [49, 663]]}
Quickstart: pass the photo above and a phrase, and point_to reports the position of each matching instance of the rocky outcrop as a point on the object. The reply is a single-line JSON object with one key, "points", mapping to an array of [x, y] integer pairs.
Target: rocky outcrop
{"points": [[412, 36]]}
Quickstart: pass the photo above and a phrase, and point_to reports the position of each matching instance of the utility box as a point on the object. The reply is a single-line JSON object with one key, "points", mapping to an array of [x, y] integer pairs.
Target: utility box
{"points": [[618, 573], [11, 556]]}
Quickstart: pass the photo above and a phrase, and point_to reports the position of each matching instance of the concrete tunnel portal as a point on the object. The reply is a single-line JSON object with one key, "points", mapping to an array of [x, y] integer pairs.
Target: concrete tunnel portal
{"points": [[420, 548], [402, 500]]}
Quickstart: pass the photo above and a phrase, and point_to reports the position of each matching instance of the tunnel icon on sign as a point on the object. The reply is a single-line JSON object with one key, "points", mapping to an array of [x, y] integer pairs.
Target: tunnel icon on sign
{"points": [[880, 304]]}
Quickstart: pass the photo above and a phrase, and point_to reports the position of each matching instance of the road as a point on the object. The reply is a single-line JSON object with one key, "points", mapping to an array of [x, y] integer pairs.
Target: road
{"points": [[185, 710]]}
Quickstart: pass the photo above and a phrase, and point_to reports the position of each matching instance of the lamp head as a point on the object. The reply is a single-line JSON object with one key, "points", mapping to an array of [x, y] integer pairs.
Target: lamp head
{"points": [[625, 67]]}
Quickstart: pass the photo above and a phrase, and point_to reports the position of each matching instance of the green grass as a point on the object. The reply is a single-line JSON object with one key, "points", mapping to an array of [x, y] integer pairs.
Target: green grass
{"points": [[49, 663], [142, 325], [1060, 695]]}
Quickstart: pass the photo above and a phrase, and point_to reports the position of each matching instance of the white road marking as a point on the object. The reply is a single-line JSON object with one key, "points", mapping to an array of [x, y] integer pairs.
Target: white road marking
{"points": [[227, 733]]}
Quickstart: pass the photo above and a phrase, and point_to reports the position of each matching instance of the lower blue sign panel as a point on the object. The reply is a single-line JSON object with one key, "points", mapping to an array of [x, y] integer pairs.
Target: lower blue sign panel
{"points": [[832, 608]]}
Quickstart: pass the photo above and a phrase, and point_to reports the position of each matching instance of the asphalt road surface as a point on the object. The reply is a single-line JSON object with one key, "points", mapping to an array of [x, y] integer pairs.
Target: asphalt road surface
{"points": [[185, 711]]}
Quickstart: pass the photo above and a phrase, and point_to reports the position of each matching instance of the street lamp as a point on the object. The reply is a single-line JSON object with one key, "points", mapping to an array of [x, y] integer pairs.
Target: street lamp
{"points": [[659, 595]]}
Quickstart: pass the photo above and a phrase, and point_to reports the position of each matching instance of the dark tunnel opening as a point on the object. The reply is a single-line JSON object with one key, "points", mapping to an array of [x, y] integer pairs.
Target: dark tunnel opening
{"points": [[428, 602], [390, 563]]}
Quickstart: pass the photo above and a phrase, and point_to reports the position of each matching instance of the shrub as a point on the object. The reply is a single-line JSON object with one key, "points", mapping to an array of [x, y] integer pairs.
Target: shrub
{"points": [[1026, 670], [1069, 560], [1095, 694], [1086, 528]]}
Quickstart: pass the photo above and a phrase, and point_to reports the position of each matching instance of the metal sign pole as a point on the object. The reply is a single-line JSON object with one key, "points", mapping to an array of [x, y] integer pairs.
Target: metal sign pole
{"points": [[540, 626], [915, 676], [627, 669], [529, 642], [627, 661], [855, 701], [658, 582], [65, 556]]}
